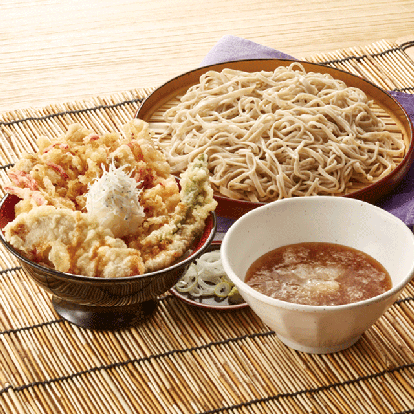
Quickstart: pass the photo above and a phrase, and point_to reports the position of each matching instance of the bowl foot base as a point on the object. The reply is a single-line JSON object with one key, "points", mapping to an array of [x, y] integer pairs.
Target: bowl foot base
{"points": [[103, 317], [318, 349]]}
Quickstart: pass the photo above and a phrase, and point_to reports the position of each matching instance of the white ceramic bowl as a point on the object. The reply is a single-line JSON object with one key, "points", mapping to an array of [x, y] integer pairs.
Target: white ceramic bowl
{"points": [[346, 221]]}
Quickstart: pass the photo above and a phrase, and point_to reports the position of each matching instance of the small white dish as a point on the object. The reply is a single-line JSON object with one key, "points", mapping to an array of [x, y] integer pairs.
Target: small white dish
{"points": [[209, 302], [346, 221]]}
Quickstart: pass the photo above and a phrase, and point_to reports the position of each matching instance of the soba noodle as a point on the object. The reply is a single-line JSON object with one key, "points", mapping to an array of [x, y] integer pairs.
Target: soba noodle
{"points": [[271, 135]]}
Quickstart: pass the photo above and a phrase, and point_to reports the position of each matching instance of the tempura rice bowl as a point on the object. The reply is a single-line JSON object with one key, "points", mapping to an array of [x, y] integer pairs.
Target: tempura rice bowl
{"points": [[105, 303]]}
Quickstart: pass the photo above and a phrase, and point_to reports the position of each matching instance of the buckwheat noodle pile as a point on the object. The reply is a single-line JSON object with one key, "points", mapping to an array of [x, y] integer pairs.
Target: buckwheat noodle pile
{"points": [[272, 135]]}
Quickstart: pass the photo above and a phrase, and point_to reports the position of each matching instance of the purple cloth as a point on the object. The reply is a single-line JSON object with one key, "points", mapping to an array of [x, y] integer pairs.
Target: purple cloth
{"points": [[230, 48], [401, 201]]}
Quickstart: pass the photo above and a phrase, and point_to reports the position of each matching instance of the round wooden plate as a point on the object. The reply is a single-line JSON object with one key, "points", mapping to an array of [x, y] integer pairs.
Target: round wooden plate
{"points": [[386, 107]]}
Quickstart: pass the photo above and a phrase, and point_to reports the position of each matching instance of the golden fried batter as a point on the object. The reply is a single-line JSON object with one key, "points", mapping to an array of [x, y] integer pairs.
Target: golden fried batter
{"points": [[69, 242], [61, 223]]}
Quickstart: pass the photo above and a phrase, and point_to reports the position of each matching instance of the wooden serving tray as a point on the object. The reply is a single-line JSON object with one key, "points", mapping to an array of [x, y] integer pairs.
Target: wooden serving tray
{"points": [[386, 107]]}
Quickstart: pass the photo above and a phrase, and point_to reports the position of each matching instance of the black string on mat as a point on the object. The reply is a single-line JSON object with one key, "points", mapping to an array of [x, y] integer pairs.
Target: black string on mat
{"points": [[252, 402], [4, 167], [163, 298], [11, 269], [134, 360], [399, 48], [52, 322], [407, 45], [312, 390], [72, 112], [31, 327]]}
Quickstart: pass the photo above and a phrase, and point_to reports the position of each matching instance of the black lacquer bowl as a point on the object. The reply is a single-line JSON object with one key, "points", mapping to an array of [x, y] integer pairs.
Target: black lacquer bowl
{"points": [[99, 303]]}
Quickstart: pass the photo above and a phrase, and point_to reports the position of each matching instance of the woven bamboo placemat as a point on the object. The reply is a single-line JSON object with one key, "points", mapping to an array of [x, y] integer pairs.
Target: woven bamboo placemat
{"points": [[187, 360]]}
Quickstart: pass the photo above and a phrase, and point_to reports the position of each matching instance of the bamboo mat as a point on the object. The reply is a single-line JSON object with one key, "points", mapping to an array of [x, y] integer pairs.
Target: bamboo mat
{"points": [[187, 360]]}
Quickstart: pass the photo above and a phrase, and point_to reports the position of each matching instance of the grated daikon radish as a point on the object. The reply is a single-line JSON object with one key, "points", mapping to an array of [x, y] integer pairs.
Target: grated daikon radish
{"points": [[113, 200]]}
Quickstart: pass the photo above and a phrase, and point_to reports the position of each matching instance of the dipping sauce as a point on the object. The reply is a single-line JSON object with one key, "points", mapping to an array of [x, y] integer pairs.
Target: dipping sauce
{"points": [[318, 274]]}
